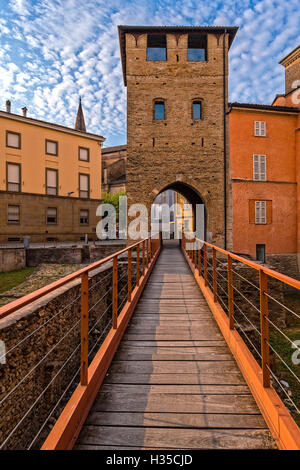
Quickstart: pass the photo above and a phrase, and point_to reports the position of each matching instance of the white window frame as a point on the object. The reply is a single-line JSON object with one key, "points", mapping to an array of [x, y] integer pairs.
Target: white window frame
{"points": [[260, 212], [259, 167], [260, 128]]}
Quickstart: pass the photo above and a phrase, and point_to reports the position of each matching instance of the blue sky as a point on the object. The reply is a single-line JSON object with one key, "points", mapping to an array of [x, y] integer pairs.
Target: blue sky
{"points": [[52, 51]]}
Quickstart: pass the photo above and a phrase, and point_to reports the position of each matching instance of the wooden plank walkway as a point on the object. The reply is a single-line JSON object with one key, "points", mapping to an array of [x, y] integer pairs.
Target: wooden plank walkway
{"points": [[173, 383]]}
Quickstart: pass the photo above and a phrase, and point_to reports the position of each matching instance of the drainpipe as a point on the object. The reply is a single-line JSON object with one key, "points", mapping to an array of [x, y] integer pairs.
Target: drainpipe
{"points": [[225, 140]]}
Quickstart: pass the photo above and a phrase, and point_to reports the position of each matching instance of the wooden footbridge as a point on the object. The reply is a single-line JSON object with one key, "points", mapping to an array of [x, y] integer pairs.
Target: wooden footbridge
{"points": [[173, 371]]}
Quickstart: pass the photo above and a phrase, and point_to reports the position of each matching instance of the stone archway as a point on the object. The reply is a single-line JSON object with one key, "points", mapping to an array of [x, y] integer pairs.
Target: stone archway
{"points": [[190, 194]]}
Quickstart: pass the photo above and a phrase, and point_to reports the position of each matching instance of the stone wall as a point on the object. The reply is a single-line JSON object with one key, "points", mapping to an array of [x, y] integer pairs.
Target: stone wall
{"points": [[54, 325], [33, 217], [70, 255], [161, 153], [11, 259]]}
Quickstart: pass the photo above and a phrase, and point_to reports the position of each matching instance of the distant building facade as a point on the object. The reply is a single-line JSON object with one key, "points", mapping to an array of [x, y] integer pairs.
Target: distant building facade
{"points": [[50, 181], [114, 169], [265, 174]]}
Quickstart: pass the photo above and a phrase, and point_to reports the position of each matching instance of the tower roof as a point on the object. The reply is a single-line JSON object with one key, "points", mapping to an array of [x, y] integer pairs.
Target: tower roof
{"points": [[80, 124], [123, 29]]}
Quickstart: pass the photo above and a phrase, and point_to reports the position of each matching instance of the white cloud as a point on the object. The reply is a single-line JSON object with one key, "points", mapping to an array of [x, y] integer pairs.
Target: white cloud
{"points": [[63, 49]]}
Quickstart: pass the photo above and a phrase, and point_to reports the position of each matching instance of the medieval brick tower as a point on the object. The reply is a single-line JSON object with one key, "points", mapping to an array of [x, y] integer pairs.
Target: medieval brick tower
{"points": [[176, 80]]}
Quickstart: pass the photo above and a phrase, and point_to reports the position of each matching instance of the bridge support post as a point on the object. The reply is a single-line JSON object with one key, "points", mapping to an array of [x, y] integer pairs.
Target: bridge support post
{"points": [[214, 261], [115, 294], [230, 293], [264, 328], [84, 329]]}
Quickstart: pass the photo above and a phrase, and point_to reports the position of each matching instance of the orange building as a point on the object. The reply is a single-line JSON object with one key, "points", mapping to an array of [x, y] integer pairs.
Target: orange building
{"points": [[264, 146]]}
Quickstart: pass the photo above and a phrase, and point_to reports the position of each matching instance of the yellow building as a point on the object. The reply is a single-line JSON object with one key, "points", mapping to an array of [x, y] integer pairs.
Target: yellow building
{"points": [[50, 179], [184, 219]]}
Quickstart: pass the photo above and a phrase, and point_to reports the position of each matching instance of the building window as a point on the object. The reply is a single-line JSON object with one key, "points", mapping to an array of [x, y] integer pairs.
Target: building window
{"points": [[261, 253], [260, 212], [197, 110], [13, 214], [13, 139], [13, 177], [260, 128], [197, 47], [51, 147], [51, 215], [159, 110], [84, 217], [84, 185], [156, 47], [259, 168], [84, 154], [51, 182]]}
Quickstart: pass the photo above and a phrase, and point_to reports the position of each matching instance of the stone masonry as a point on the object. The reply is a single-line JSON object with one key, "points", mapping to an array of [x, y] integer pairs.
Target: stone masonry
{"points": [[162, 153]]}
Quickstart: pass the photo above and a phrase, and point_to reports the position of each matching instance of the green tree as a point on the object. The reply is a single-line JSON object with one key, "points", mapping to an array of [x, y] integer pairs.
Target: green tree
{"points": [[109, 198]]}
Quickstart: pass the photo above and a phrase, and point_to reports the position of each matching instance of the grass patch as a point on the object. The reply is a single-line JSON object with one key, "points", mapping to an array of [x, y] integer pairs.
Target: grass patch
{"points": [[285, 350], [14, 278]]}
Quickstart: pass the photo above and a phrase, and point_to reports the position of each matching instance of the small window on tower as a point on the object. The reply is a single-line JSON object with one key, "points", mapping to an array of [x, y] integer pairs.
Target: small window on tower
{"points": [[159, 110], [156, 47], [197, 47], [197, 111]]}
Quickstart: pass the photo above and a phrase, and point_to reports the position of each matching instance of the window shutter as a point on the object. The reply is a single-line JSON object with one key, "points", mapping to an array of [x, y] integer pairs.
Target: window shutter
{"points": [[83, 154], [256, 167], [51, 212], [263, 168], [83, 182], [257, 212], [51, 147], [260, 128], [259, 167], [13, 173], [13, 140], [13, 214], [269, 212], [51, 178], [251, 211]]}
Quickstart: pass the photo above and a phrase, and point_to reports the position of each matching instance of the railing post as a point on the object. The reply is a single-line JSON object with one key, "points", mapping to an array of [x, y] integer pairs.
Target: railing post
{"points": [[230, 293], [115, 293], [214, 261], [205, 264], [137, 265], [84, 329], [264, 328], [143, 258], [199, 259], [129, 274], [147, 262]]}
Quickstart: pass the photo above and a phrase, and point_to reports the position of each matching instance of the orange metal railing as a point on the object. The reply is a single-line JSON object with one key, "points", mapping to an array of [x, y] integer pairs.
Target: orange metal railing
{"points": [[221, 293], [144, 253]]}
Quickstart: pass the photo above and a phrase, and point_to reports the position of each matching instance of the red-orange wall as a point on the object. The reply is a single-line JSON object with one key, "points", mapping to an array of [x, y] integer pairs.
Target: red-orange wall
{"points": [[279, 146]]}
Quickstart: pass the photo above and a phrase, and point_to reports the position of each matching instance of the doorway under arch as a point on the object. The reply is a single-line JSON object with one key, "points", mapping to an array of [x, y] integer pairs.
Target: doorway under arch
{"points": [[181, 193]]}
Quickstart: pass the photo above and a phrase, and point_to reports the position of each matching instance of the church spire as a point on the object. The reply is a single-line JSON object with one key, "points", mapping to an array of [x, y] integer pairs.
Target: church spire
{"points": [[80, 124]]}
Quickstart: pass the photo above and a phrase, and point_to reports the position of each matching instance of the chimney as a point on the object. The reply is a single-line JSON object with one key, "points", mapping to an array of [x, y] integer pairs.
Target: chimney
{"points": [[24, 111], [8, 106]]}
